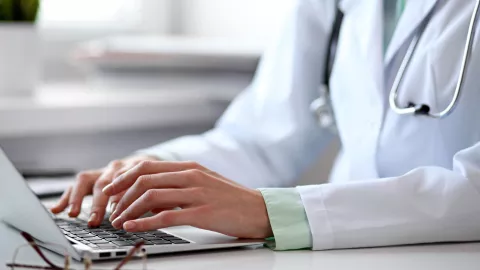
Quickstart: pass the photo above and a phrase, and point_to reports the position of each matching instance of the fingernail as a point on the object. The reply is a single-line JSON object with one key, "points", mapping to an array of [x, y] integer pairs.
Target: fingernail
{"points": [[112, 207], [108, 189], [129, 225], [116, 223], [93, 217], [113, 216], [74, 211]]}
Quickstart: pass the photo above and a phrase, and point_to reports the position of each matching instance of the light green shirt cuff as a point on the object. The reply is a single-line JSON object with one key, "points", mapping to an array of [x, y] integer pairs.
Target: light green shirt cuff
{"points": [[288, 219]]}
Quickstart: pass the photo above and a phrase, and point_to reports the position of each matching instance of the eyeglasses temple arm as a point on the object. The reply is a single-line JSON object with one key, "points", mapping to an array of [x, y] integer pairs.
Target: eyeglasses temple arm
{"points": [[129, 255], [34, 245], [16, 265]]}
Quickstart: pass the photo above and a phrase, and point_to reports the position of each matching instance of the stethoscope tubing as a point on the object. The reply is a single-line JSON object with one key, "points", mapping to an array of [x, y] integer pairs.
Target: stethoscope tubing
{"points": [[416, 110]]}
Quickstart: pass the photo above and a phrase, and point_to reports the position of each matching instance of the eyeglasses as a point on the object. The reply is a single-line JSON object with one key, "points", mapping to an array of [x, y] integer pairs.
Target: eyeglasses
{"points": [[136, 251]]}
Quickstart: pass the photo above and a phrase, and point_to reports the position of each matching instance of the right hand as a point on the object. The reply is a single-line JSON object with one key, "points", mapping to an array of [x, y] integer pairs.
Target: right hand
{"points": [[93, 182]]}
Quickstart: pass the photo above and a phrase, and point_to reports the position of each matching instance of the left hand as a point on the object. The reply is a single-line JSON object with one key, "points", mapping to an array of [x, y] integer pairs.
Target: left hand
{"points": [[207, 200]]}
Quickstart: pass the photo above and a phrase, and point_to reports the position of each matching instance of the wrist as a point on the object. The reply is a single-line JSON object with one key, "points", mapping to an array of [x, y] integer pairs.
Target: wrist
{"points": [[264, 227]]}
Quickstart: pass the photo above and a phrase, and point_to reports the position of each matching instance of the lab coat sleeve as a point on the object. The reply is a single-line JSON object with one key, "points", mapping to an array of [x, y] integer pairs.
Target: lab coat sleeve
{"points": [[268, 135], [429, 204]]}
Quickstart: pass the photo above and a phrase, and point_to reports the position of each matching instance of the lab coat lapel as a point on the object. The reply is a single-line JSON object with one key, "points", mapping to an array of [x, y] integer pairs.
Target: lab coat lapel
{"points": [[367, 16], [415, 12]]}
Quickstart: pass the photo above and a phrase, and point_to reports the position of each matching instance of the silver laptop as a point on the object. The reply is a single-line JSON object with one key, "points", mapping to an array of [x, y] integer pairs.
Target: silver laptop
{"points": [[22, 210]]}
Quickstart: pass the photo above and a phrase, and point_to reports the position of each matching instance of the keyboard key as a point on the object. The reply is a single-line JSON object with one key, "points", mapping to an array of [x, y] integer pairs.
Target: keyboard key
{"points": [[161, 242], [129, 236], [171, 238], [111, 238], [150, 237], [92, 238], [123, 243], [160, 233], [131, 239], [103, 234], [96, 230], [141, 233], [180, 242], [106, 245], [86, 236], [99, 241], [81, 233]]}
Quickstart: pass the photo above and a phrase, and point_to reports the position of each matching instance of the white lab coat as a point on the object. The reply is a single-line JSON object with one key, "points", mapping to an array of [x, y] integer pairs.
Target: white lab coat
{"points": [[398, 179]]}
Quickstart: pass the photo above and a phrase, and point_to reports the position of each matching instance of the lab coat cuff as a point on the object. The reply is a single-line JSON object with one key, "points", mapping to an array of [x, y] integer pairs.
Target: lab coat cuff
{"points": [[288, 219], [317, 215]]}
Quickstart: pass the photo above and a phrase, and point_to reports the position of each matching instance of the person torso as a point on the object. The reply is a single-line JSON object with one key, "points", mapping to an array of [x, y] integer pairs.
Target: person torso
{"points": [[376, 142]]}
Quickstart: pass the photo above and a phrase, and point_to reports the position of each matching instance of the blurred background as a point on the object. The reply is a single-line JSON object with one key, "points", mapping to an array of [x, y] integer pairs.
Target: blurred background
{"points": [[89, 81]]}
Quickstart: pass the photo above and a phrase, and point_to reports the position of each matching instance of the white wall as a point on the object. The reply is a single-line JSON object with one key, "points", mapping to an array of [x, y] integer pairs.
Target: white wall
{"points": [[257, 19]]}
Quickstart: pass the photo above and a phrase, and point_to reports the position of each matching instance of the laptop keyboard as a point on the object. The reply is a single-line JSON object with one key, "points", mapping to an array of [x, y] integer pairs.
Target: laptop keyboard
{"points": [[105, 236]]}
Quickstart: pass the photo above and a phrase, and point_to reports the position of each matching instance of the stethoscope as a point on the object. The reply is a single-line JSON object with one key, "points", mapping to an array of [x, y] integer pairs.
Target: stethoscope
{"points": [[322, 109]]}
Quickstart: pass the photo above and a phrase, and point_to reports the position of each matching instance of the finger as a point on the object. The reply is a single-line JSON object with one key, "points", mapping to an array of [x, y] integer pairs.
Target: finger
{"points": [[163, 220], [63, 202], [114, 201], [126, 168], [116, 198], [148, 182], [100, 200], [152, 199], [83, 186], [159, 210], [126, 180]]}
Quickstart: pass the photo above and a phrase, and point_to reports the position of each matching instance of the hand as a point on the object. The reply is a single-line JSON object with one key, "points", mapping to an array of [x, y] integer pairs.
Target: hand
{"points": [[207, 200], [94, 181]]}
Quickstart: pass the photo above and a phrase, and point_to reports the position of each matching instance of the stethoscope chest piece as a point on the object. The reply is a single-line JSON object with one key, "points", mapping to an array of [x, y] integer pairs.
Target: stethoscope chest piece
{"points": [[322, 109]]}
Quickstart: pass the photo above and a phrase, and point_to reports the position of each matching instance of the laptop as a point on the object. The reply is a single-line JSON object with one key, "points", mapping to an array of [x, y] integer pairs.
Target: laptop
{"points": [[23, 211]]}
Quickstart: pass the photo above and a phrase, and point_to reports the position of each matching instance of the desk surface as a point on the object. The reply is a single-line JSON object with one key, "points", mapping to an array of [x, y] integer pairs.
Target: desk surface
{"points": [[448, 256]]}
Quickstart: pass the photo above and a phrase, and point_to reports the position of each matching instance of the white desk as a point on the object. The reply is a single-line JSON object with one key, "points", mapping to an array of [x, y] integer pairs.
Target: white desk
{"points": [[451, 256]]}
